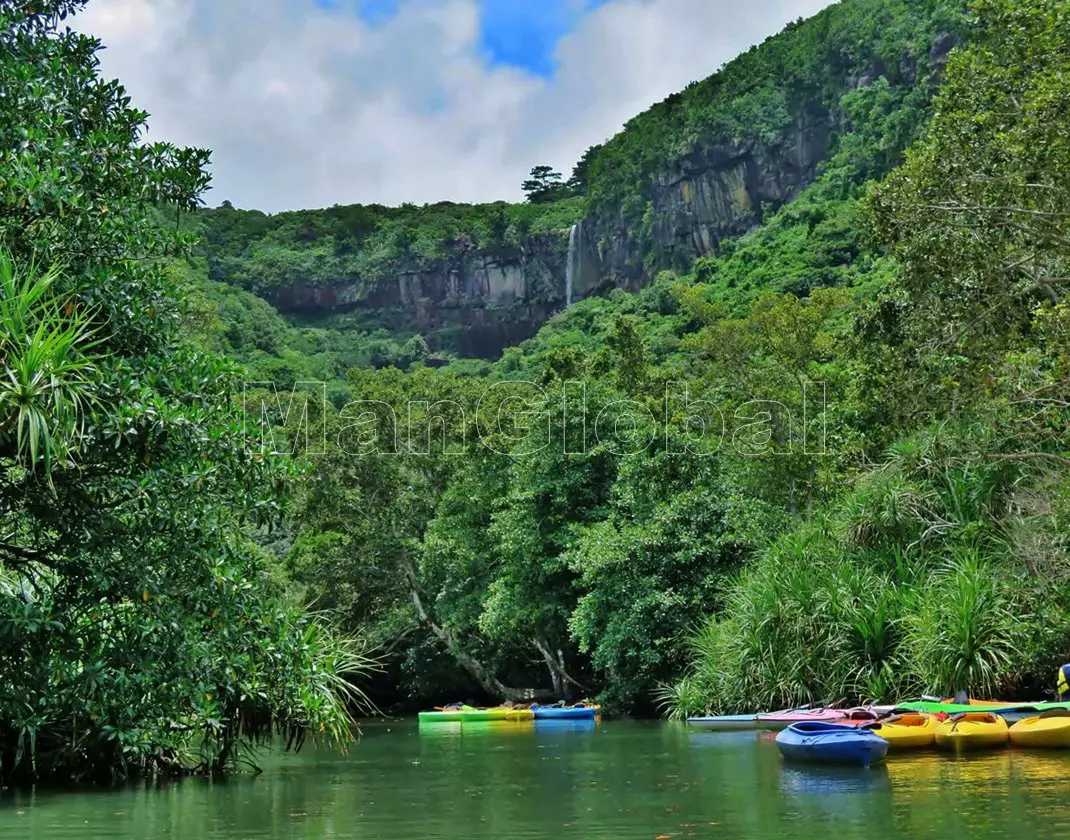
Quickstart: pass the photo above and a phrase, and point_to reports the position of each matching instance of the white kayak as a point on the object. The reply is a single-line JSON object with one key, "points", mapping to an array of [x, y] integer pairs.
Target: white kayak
{"points": [[723, 723]]}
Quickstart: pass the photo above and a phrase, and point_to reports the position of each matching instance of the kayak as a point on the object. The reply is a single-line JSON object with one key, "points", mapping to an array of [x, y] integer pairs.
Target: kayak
{"points": [[860, 716], [782, 720], [972, 730], [1011, 712], [565, 712], [948, 707], [723, 723], [908, 731], [1051, 729], [470, 713], [831, 743]]}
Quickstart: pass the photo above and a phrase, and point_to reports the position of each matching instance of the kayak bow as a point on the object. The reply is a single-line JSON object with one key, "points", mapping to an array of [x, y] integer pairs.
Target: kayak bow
{"points": [[1049, 730]]}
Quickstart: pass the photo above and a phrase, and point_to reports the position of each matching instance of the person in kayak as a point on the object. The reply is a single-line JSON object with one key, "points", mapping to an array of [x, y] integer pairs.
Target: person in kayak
{"points": [[1062, 684]]}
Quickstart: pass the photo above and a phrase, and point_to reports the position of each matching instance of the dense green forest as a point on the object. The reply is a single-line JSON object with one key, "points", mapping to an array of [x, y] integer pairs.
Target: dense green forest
{"points": [[828, 461], [141, 630]]}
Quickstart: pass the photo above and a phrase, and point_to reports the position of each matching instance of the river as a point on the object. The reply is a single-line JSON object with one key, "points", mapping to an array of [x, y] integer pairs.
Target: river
{"points": [[618, 780]]}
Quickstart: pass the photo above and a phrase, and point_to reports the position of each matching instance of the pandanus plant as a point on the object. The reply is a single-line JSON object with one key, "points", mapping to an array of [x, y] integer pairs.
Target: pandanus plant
{"points": [[46, 385]]}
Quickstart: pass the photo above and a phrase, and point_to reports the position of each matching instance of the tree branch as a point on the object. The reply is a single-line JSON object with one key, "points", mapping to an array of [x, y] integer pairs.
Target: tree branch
{"points": [[1027, 456], [554, 666]]}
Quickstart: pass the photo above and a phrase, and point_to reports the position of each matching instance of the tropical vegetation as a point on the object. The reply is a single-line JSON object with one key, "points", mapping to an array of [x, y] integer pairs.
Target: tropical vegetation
{"points": [[140, 630], [832, 455], [828, 461]]}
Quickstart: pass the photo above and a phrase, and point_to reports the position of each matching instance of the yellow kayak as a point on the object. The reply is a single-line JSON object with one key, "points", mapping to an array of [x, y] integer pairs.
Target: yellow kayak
{"points": [[907, 731], [972, 731], [1051, 729]]}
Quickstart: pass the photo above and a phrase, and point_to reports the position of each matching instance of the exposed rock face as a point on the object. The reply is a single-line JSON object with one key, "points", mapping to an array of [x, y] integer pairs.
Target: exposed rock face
{"points": [[495, 298], [943, 44], [720, 192], [504, 276], [711, 194]]}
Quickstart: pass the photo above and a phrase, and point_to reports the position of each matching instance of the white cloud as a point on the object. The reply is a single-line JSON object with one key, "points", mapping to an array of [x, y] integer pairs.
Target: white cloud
{"points": [[307, 107]]}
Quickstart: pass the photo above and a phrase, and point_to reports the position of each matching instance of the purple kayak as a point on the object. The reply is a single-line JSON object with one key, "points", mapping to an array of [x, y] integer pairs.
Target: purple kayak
{"points": [[848, 717]]}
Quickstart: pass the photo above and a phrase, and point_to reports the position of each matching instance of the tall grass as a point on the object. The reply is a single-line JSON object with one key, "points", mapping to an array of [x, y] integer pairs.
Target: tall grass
{"points": [[910, 585], [965, 634], [803, 625]]}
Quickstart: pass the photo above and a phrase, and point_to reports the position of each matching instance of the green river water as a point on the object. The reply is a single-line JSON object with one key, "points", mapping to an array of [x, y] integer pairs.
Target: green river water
{"points": [[616, 780]]}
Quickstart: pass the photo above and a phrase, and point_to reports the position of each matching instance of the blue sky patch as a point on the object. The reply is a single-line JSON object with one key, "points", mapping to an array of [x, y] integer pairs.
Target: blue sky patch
{"points": [[524, 33], [377, 11], [518, 33]]}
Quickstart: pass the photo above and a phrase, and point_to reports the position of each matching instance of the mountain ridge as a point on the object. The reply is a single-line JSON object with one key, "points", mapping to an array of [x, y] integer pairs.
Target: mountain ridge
{"points": [[704, 166]]}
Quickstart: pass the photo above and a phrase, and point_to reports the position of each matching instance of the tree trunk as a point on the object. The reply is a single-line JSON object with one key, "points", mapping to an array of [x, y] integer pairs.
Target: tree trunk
{"points": [[487, 681], [565, 692], [557, 667]]}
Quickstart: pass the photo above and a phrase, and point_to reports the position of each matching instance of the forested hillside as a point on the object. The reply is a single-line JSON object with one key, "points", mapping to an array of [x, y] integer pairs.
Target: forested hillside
{"points": [[680, 181], [827, 459], [943, 566]]}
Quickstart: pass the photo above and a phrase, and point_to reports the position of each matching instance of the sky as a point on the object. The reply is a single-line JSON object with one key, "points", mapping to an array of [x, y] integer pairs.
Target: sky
{"points": [[309, 103]]}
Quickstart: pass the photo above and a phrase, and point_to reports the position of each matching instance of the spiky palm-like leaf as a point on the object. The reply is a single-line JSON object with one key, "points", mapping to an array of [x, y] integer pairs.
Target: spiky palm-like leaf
{"points": [[46, 385]]}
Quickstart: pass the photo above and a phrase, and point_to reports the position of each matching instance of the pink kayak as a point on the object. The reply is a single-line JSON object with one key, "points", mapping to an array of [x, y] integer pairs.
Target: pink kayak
{"points": [[849, 717]]}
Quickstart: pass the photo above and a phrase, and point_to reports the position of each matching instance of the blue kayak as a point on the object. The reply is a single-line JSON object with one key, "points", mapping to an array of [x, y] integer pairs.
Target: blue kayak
{"points": [[831, 743], [564, 712]]}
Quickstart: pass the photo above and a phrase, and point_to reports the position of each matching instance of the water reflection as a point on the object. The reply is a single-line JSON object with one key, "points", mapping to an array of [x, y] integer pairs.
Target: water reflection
{"points": [[720, 740], [838, 781], [980, 771], [557, 728], [476, 728]]}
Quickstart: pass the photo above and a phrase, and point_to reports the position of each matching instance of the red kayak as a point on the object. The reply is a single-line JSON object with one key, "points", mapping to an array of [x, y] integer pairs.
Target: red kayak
{"points": [[846, 717]]}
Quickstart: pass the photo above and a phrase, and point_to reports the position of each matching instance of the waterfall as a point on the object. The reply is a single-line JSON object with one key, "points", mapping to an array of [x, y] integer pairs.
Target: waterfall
{"points": [[574, 257]]}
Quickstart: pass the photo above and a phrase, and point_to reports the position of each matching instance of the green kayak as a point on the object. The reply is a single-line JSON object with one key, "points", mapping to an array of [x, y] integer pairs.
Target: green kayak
{"points": [[470, 713], [1007, 711]]}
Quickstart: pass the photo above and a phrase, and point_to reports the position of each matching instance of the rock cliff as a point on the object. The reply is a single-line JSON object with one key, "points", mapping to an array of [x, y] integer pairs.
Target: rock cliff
{"points": [[501, 295], [475, 303], [710, 194], [718, 190]]}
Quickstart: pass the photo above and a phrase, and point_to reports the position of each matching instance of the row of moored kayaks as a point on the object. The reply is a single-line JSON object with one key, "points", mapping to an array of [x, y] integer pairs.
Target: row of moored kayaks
{"points": [[864, 735], [471, 714]]}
